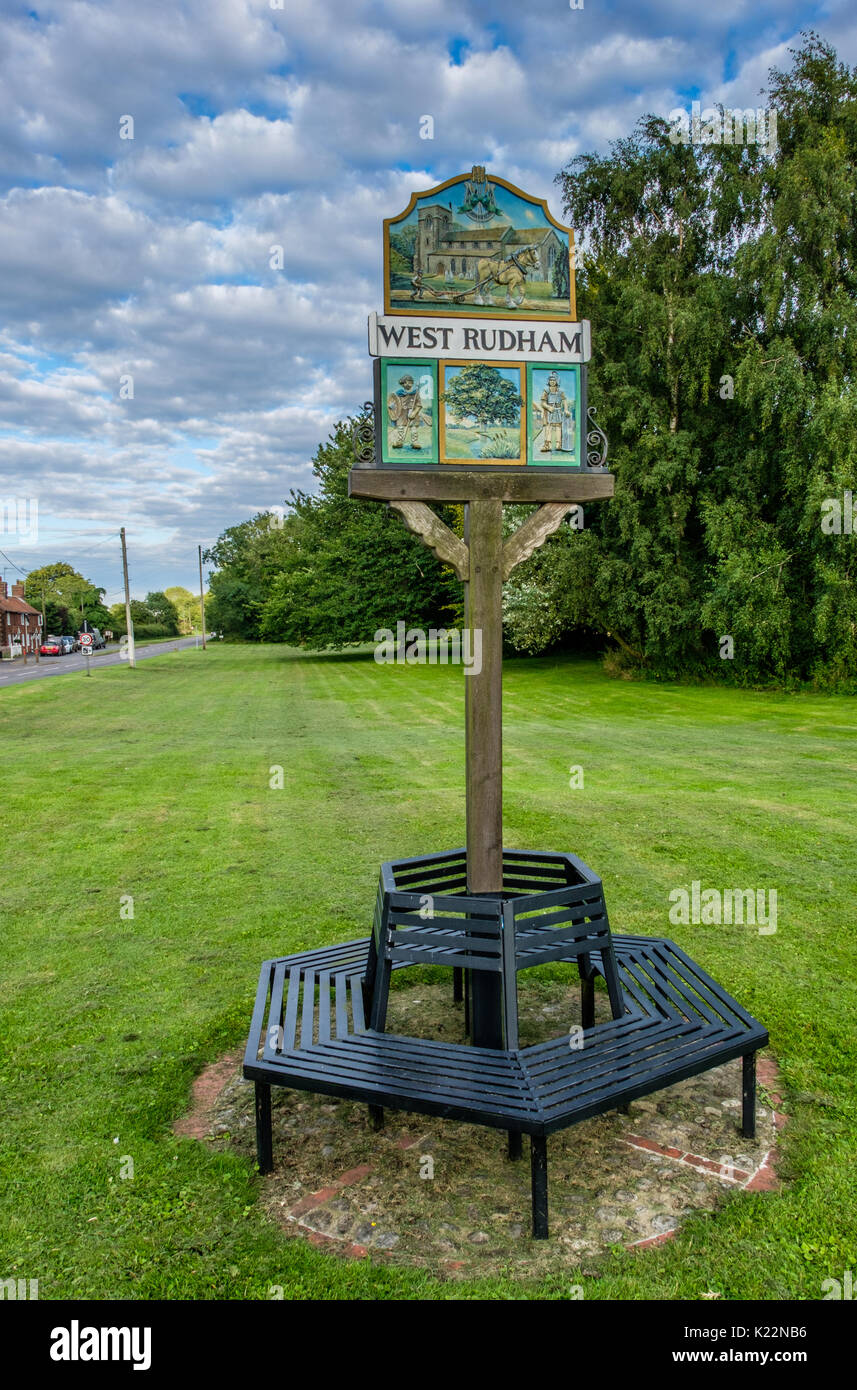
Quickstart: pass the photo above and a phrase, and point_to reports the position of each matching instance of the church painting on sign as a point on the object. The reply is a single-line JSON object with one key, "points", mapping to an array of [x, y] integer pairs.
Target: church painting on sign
{"points": [[480, 247]]}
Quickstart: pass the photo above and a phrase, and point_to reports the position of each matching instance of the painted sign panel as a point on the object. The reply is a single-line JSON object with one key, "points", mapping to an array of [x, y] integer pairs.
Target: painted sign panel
{"points": [[408, 414], [482, 416], [478, 246], [465, 413], [516, 341], [554, 436]]}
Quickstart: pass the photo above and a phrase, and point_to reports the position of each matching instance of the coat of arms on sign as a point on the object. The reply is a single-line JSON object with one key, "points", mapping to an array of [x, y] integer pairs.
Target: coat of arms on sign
{"points": [[480, 247]]}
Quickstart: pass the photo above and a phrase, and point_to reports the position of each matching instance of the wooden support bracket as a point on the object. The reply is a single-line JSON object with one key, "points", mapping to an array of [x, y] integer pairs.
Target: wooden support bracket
{"points": [[533, 533], [434, 533]]}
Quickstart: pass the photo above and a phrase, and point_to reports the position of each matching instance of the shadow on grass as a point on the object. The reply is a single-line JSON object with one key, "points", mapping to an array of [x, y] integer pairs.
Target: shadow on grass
{"points": [[364, 652]]}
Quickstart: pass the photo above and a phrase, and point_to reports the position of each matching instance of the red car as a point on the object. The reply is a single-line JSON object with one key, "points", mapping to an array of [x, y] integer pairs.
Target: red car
{"points": [[52, 647]]}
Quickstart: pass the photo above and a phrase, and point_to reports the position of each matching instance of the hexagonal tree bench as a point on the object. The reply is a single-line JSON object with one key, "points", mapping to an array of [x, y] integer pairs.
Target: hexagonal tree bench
{"points": [[319, 1018]]}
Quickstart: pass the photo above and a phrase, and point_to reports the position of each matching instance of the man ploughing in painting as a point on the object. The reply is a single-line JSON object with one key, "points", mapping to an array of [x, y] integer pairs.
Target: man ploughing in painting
{"points": [[405, 409], [556, 419]]}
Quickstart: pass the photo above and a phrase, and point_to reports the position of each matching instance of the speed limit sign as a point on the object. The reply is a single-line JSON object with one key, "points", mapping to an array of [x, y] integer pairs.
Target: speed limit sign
{"points": [[85, 640]]}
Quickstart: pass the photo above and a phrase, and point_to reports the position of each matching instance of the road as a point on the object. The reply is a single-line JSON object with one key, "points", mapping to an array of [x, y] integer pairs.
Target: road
{"points": [[13, 672]]}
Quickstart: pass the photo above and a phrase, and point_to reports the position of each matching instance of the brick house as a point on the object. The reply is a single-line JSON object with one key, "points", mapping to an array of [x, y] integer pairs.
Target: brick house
{"points": [[20, 622]]}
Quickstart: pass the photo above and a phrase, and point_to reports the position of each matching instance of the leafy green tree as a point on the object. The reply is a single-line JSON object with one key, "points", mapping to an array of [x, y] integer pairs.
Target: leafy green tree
{"points": [[329, 571], [480, 392], [350, 567], [247, 559], [163, 612], [68, 598], [116, 623], [797, 353], [187, 607], [720, 280]]}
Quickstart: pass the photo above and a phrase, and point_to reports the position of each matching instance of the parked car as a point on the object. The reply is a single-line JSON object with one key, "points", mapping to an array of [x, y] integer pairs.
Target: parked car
{"points": [[69, 645], [98, 642], [52, 646]]}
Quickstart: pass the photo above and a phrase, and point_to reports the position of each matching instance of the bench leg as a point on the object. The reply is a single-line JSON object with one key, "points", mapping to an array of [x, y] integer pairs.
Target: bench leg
{"points": [[457, 984], [516, 1148], [467, 1004], [264, 1136], [376, 1116], [539, 1167], [748, 1096], [587, 1003]]}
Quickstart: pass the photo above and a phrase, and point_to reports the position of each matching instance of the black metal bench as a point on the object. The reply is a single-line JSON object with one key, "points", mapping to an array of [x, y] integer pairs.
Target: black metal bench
{"points": [[318, 1022]]}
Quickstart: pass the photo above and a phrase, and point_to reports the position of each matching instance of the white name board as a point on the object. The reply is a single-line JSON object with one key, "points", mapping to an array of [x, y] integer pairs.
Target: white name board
{"points": [[480, 339]]}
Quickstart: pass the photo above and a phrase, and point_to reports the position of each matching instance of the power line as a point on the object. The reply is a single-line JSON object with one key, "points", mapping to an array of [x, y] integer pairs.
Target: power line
{"points": [[12, 563]]}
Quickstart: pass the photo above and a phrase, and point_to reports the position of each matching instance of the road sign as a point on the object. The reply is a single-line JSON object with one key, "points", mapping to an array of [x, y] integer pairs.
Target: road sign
{"points": [[86, 641]]}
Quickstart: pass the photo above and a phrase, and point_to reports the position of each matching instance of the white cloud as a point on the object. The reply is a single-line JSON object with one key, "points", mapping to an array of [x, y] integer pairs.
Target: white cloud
{"points": [[256, 128]]}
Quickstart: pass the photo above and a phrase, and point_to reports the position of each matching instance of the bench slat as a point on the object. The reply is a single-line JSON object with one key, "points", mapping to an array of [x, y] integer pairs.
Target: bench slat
{"points": [[308, 1018], [324, 1006], [291, 1019], [340, 987]]}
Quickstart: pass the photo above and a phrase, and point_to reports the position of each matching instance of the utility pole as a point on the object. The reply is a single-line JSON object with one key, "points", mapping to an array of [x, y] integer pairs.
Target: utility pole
{"points": [[201, 597], [129, 626]]}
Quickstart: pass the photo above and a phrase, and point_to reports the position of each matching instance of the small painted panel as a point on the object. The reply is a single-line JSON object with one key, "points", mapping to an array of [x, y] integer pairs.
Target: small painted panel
{"points": [[409, 417], [555, 409], [482, 413]]}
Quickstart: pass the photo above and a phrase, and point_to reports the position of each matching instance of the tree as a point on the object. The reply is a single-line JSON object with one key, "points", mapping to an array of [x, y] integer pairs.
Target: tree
{"points": [[722, 283], [247, 558], [479, 391], [187, 607], [68, 598], [163, 612], [350, 567], [328, 572], [116, 621]]}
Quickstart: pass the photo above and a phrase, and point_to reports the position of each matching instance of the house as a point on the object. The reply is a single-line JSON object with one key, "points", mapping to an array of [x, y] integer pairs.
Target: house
{"points": [[443, 244], [20, 622]]}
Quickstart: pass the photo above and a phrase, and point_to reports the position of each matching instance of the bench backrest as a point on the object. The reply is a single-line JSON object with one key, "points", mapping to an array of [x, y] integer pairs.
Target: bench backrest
{"points": [[424, 916]]}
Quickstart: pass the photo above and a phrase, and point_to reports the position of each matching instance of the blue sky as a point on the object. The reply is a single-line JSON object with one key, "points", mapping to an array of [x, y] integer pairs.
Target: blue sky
{"points": [[255, 127]]}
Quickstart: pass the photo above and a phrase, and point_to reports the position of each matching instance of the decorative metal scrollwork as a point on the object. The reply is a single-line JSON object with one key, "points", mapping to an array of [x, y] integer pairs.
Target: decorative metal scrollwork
{"points": [[596, 440], [363, 434]]}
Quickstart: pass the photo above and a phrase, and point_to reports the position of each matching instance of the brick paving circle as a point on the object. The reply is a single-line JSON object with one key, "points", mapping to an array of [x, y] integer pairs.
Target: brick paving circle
{"points": [[443, 1195]]}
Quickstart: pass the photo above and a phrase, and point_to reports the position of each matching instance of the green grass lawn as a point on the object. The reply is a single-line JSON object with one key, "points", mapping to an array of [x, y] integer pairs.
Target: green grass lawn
{"points": [[155, 784]]}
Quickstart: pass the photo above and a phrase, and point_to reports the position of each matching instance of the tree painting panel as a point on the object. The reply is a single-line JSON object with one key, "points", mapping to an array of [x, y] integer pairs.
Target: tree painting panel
{"points": [[482, 413], [554, 434], [409, 411]]}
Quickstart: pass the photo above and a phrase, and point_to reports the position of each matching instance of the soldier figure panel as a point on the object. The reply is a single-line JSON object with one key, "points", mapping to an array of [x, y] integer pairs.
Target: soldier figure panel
{"points": [[405, 409], [556, 416]]}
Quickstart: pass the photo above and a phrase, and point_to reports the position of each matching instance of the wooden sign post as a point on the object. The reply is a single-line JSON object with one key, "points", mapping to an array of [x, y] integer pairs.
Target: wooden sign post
{"points": [[483, 560], [480, 399]]}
